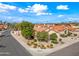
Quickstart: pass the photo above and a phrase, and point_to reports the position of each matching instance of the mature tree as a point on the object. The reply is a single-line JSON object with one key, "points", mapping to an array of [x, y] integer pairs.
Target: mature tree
{"points": [[27, 33], [26, 29], [18, 26], [25, 25]]}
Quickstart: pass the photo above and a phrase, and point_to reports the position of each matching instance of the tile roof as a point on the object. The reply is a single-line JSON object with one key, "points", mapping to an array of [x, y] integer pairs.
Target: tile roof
{"points": [[54, 27]]}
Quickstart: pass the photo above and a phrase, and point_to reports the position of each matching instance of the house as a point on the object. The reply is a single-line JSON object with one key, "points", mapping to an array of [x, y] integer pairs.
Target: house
{"points": [[53, 27], [76, 26], [58, 28], [2, 26]]}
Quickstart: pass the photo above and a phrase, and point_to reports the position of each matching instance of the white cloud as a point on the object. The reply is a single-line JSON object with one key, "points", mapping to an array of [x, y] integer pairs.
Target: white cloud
{"points": [[38, 9], [73, 18], [22, 10], [9, 17], [60, 15], [62, 7], [44, 14], [5, 6], [27, 9], [1, 10]]}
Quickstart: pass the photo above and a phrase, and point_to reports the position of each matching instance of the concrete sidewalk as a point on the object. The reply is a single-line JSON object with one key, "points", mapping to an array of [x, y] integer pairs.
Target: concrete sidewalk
{"points": [[38, 51]]}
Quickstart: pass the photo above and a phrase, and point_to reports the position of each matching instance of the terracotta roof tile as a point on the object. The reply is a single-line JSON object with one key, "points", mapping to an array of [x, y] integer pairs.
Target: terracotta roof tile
{"points": [[56, 27]]}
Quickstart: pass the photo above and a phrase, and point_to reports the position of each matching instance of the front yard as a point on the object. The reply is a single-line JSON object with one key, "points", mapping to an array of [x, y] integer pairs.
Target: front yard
{"points": [[44, 51], [34, 43], [43, 40]]}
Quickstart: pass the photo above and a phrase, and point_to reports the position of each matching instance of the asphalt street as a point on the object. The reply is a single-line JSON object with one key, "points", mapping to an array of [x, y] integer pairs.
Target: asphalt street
{"points": [[10, 47], [72, 50]]}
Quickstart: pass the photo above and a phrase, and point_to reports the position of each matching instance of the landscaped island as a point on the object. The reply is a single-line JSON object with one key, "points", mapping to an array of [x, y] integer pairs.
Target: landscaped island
{"points": [[46, 35]]}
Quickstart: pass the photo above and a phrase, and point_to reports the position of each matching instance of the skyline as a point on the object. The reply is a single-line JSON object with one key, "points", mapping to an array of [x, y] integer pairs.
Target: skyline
{"points": [[39, 12]]}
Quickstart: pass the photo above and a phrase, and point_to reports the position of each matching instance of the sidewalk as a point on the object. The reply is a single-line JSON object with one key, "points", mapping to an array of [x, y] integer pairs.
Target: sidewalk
{"points": [[41, 52]]}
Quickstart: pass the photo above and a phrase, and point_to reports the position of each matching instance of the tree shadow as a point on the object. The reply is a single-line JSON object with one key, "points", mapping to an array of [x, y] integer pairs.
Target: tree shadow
{"points": [[2, 35], [2, 46]]}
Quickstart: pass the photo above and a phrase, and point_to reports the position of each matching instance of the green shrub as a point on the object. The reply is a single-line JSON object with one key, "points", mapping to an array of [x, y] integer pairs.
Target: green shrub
{"points": [[63, 35], [51, 45], [35, 45], [60, 39], [53, 38], [69, 33], [35, 40], [42, 36], [28, 43], [54, 41], [75, 34], [65, 32], [42, 46]]}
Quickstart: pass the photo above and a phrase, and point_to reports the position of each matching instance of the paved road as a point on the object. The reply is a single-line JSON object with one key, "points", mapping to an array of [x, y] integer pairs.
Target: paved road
{"points": [[72, 50], [10, 47]]}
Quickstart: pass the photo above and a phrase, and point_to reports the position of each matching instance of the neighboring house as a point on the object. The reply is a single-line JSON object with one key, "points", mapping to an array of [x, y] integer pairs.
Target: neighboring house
{"points": [[53, 27], [58, 28], [76, 27], [2, 26]]}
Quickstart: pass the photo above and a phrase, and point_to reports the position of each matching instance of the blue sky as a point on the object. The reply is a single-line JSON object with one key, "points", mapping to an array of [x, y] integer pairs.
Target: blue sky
{"points": [[39, 12]]}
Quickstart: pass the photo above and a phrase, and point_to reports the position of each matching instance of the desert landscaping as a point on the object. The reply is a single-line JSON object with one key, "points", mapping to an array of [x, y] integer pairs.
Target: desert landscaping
{"points": [[46, 36]]}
